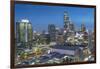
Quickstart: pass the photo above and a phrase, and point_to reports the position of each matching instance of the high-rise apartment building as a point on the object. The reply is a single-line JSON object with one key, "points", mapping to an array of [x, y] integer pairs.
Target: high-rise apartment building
{"points": [[24, 32], [52, 32]]}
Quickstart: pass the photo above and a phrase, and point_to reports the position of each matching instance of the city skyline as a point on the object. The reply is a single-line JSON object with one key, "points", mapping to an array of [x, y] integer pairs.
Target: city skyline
{"points": [[53, 34], [40, 16]]}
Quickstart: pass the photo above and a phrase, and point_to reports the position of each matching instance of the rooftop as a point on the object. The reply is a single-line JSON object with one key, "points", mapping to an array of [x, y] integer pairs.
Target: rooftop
{"points": [[25, 20], [66, 47]]}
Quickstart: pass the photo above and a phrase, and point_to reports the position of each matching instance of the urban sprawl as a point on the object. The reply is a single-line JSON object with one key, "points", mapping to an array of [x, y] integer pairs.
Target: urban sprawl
{"points": [[55, 46]]}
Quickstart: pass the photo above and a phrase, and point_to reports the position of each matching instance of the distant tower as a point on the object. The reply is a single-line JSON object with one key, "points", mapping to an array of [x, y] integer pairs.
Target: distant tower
{"points": [[68, 26], [66, 20], [71, 26], [52, 32], [83, 28], [24, 31]]}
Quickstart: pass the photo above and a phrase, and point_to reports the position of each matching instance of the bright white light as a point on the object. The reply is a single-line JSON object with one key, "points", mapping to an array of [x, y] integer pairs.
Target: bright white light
{"points": [[65, 31]]}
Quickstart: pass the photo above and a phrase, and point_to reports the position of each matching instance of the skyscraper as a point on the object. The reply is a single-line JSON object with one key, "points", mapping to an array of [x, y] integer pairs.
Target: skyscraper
{"points": [[83, 28], [68, 26], [52, 32], [24, 32], [66, 20], [71, 26]]}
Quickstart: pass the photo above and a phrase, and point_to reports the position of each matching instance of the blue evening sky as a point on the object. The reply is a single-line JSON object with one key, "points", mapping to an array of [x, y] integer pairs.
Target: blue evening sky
{"points": [[40, 15]]}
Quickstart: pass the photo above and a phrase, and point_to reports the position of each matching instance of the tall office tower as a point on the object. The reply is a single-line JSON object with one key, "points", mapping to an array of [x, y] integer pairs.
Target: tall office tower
{"points": [[24, 32], [83, 28], [66, 25], [66, 20], [71, 26], [52, 32]]}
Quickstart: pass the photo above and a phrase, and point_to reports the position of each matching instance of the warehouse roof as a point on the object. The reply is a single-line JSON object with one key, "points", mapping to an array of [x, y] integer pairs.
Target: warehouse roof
{"points": [[65, 47]]}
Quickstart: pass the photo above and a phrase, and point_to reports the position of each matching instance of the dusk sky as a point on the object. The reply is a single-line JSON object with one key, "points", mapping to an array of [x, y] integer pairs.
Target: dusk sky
{"points": [[40, 15]]}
